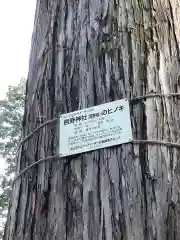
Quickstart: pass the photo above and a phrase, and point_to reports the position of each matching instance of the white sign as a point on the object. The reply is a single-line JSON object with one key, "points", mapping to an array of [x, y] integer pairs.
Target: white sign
{"points": [[95, 127]]}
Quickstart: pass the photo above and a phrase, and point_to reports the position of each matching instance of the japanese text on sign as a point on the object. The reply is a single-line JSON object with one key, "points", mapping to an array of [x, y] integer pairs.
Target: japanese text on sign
{"points": [[94, 128]]}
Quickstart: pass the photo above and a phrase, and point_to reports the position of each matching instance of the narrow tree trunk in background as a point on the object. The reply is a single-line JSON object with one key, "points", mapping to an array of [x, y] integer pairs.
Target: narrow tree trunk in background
{"points": [[84, 53]]}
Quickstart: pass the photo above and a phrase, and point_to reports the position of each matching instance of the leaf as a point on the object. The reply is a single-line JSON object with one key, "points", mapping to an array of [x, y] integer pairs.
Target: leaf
{"points": [[11, 115]]}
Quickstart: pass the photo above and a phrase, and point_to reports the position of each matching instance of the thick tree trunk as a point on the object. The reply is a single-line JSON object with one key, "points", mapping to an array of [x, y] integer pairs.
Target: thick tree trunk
{"points": [[84, 53]]}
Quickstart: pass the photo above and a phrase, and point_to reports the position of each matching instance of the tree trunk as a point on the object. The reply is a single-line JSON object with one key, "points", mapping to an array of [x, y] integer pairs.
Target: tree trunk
{"points": [[84, 53]]}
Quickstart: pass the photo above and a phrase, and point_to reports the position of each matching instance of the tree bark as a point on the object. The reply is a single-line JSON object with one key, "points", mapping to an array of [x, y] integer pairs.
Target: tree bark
{"points": [[84, 53]]}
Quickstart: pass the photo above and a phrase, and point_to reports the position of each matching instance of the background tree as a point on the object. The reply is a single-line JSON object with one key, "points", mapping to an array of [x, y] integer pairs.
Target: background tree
{"points": [[11, 115], [86, 53]]}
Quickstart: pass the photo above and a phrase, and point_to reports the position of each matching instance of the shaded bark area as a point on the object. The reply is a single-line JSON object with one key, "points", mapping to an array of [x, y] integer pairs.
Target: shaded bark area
{"points": [[84, 53]]}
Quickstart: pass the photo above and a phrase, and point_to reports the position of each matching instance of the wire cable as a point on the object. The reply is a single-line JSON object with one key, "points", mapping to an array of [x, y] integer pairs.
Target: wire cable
{"points": [[152, 95], [36, 130], [57, 157], [130, 99], [49, 122], [34, 164]]}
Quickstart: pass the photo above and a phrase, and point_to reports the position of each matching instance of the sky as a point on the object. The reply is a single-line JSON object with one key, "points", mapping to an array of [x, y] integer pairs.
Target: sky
{"points": [[16, 25]]}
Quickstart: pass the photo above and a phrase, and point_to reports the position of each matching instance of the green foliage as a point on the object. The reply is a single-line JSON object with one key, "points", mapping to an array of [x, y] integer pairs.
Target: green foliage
{"points": [[11, 114]]}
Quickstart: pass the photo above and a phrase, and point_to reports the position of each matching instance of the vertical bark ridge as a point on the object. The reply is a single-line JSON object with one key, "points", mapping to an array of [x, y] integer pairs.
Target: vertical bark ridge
{"points": [[84, 53]]}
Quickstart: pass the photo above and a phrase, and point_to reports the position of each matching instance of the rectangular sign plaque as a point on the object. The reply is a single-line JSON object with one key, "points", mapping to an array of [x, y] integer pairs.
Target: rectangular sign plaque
{"points": [[96, 127]]}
